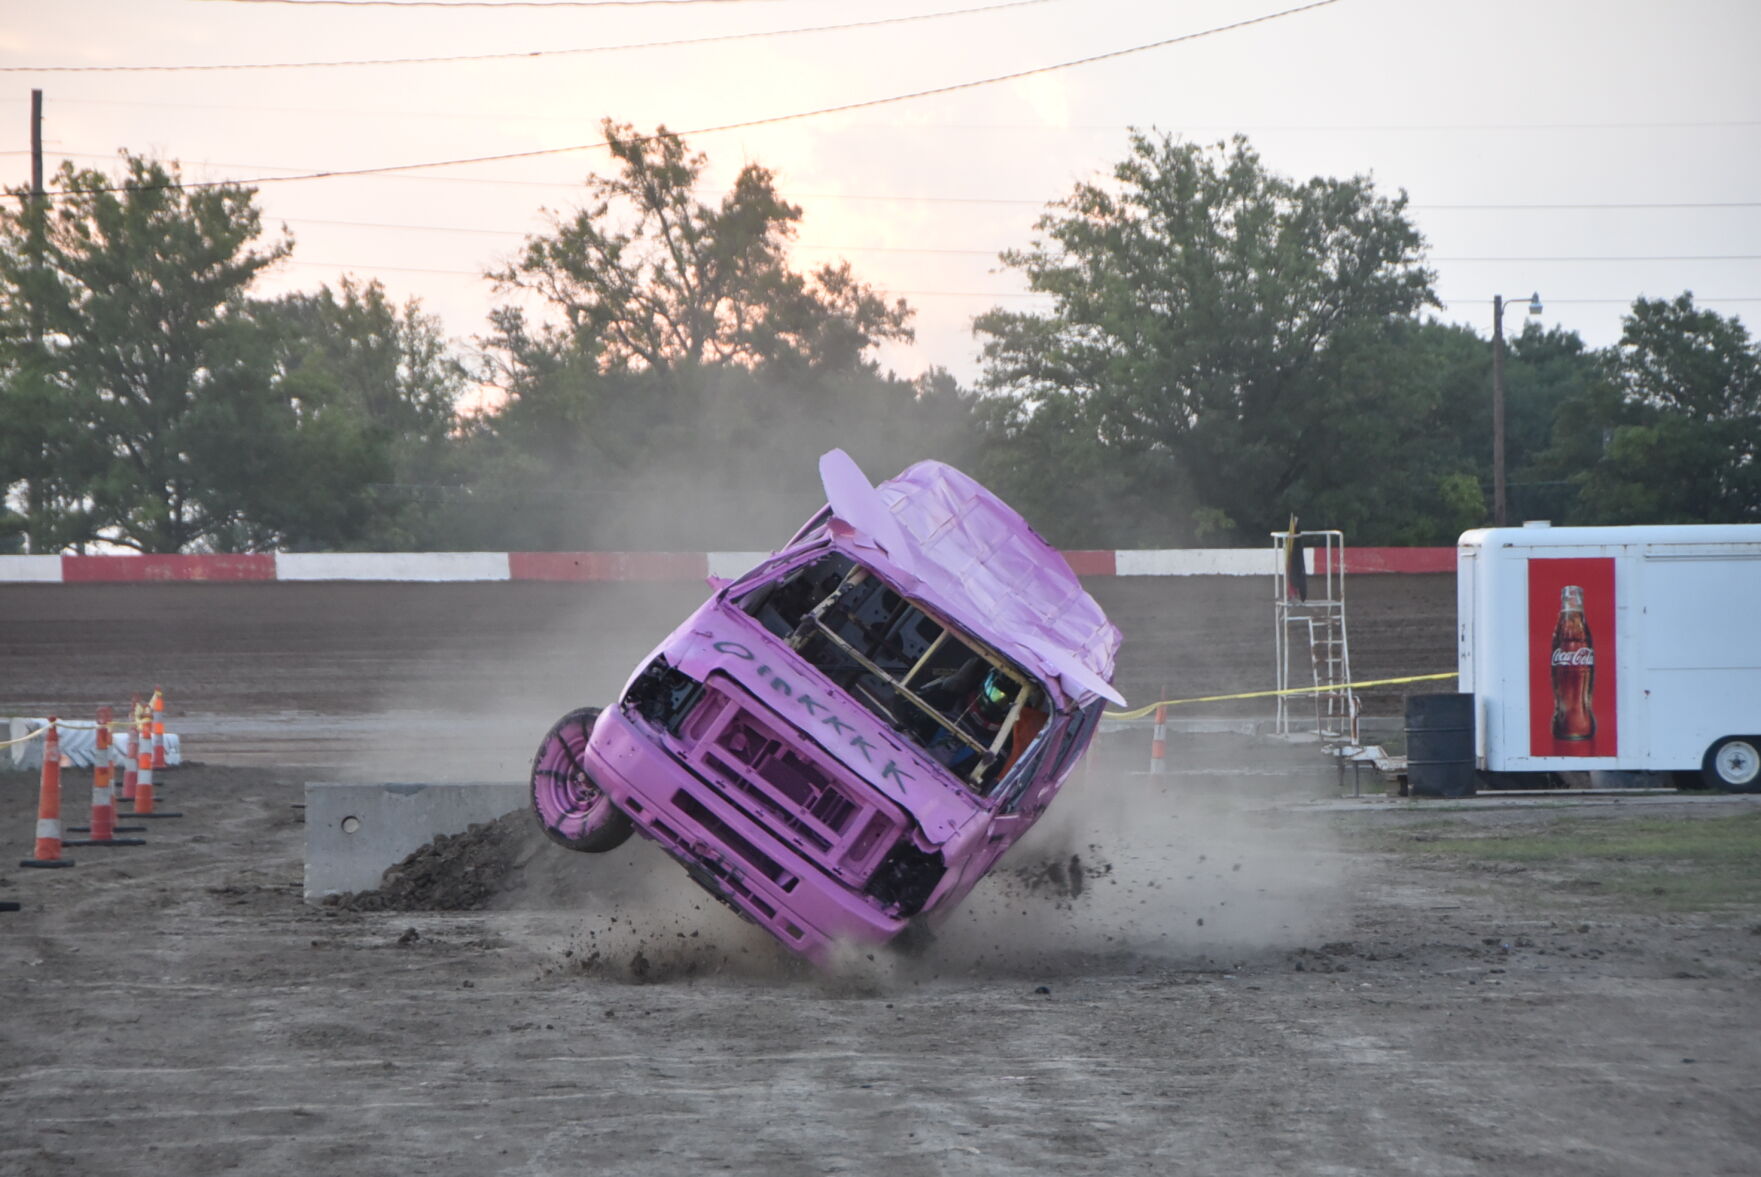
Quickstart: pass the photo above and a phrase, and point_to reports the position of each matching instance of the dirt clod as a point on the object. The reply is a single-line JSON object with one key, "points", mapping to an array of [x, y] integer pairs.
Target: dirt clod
{"points": [[1058, 878]]}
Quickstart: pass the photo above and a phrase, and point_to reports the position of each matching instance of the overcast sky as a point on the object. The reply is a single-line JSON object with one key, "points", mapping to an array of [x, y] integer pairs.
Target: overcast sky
{"points": [[1590, 150]]}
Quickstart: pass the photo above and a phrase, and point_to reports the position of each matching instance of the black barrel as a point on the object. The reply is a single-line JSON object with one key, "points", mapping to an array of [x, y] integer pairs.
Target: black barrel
{"points": [[1440, 745]]}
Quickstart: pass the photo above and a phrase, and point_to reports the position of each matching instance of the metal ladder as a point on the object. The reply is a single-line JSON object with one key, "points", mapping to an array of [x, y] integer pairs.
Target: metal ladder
{"points": [[1318, 623]]}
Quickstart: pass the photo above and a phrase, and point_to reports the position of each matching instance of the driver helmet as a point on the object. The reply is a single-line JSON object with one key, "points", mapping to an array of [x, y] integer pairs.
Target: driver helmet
{"points": [[994, 697]]}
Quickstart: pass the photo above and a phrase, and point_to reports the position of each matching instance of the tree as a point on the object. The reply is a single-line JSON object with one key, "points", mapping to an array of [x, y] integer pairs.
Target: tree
{"points": [[719, 457], [680, 379], [357, 416], [648, 278], [1554, 386], [33, 446], [120, 320], [1408, 447], [1219, 325], [1680, 435]]}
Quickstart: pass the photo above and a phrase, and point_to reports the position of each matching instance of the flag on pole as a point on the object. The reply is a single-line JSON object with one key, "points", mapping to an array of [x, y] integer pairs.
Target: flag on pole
{"points": [[1296, 576]]}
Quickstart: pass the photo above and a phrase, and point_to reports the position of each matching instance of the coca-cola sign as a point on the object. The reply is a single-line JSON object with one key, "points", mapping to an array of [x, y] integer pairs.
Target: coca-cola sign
{"points": [[1572, 662]]}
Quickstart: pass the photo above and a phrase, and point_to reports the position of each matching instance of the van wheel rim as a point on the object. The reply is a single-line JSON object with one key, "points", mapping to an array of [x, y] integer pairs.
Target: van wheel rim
{"points": [[566, 798]]}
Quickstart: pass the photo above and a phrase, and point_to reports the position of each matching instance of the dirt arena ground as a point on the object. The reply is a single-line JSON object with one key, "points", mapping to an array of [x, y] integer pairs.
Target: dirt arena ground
{"points": [[1249, 974]]}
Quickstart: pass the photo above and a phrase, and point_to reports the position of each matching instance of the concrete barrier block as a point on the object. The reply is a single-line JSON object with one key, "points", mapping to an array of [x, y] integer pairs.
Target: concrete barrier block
{"points": [[355, 831]]}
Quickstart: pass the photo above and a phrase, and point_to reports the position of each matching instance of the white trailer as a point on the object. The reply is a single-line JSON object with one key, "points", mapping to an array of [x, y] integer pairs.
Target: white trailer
{"points": [[1672, 679]]}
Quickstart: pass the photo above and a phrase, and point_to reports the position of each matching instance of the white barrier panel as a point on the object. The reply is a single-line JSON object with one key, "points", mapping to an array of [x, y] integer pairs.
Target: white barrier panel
{"points": [[499, 566], [79, 744], [30, 568], [19, 750], [422, 566], [1196, 562], [728, 565]]}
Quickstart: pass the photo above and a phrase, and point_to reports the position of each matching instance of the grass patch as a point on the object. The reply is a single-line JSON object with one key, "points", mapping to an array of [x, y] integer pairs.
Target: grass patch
{"points": [[1675, 864]]}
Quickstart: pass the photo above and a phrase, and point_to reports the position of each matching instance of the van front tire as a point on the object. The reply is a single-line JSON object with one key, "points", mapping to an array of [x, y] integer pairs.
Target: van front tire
{"points": [[572, 810]]}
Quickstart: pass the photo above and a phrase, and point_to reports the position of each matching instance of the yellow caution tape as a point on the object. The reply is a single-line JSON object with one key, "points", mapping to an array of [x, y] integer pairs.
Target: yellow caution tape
{"points": [[1140, 712], [25, 739], [61, 725]]}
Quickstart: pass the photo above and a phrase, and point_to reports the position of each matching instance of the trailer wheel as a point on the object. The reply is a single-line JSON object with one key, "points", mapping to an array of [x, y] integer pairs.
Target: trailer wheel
{"points": [[1733, 764], [571, 808]]}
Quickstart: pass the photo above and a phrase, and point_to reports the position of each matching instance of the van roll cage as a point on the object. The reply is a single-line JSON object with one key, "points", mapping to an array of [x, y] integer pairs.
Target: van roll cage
{"points": [[814, 623]]}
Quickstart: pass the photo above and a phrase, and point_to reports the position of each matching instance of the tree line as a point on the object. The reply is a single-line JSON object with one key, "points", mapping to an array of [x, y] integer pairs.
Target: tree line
{"points": [[1222, 346]]}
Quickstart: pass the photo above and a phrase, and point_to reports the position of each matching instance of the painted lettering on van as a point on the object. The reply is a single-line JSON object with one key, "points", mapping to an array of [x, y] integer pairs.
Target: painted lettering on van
{"points": [[812, 705]]}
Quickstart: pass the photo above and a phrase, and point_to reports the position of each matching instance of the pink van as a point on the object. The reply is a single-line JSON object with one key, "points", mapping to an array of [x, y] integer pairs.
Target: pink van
{"points": [[840, 743]]}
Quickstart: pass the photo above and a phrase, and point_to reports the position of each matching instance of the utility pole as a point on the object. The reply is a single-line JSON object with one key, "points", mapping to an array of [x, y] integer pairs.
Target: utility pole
{"points": [[37, 146], [1500, 516], [34, 490], [36, 214]]}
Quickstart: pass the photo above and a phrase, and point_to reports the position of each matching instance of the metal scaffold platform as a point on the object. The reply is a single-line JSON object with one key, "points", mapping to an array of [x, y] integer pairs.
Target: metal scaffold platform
{"points": [[1308, 605]]}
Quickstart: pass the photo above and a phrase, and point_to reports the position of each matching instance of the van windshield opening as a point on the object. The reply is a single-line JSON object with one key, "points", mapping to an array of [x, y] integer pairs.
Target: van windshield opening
{"points": [[966, 706]]}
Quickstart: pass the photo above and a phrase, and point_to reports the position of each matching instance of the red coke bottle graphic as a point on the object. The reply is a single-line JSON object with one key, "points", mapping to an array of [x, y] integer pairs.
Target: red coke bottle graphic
{"points": [[1573, 669]]}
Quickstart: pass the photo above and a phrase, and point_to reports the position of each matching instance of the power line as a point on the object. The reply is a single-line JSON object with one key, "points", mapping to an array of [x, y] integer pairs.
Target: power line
{"points": [[1588, 205], [890, 197], [500, 181], [749, 123], [1000, 293], [992, 253], [480, 232], [300, 174], [482, 3], [522, 56], [1657, 125], [478, 115], [1606, 301], [384, 269], [375, 269], [971, 293], [1459, 207], [408, 228], [1682, 257], [918, 198]]}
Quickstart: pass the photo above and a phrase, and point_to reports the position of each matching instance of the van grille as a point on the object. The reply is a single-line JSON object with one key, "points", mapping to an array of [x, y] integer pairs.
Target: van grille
{"points": [[763, 863], [779, 785]]}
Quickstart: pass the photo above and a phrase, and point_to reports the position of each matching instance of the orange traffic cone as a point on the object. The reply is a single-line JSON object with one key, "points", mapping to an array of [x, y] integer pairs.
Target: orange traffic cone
{"points": [[158, 729], [48, 850], [103, 829], [1159, 740], [144, 773]]}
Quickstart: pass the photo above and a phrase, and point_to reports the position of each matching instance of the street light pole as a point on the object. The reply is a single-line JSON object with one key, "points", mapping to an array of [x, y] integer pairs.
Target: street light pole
{"points": [[1500, 510]]}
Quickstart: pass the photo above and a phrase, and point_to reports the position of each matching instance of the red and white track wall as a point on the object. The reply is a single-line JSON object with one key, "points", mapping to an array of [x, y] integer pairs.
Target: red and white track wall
{"points": [[630, 566]]}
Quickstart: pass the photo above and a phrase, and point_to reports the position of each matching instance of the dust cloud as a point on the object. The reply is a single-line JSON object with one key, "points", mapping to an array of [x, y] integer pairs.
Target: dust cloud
{"points": [[538, 650], [1195, 869], [1204, 869], [477, 709]]}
